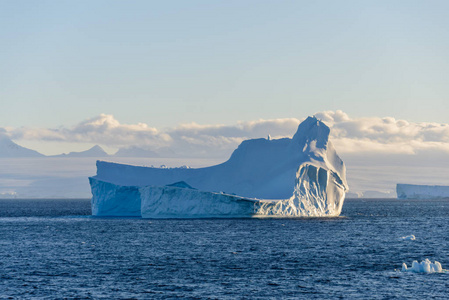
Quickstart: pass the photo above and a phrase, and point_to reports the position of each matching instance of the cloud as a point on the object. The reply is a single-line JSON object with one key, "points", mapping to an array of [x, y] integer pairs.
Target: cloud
{"points": [[386, 135], [260, 128], [349, 135], [103, 129], [220, 140]]}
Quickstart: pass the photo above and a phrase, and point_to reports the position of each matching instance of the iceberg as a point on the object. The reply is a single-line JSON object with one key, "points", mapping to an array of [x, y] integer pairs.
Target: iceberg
{"points": [[412, 191], [408, 238], [300, 176], [426, 266]]}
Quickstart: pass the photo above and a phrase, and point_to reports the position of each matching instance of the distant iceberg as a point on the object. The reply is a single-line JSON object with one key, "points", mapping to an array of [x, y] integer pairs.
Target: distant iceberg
{"points": [[412, 191], [298, 177], [408, 238], [426, 266]]}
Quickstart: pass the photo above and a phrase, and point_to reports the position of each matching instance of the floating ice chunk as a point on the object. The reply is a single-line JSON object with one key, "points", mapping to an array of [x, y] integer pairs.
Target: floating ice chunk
{"points": [[409, 238], [404, 267], [426, 266]]}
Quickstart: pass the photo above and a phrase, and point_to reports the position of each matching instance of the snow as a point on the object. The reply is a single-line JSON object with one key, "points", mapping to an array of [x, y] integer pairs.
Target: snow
{"points": [[426, 266], [305, 172], [411, 191]]}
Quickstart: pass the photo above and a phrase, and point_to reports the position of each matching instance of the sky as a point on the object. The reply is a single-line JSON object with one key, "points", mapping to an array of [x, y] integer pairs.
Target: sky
{"points": [[166, 63]]}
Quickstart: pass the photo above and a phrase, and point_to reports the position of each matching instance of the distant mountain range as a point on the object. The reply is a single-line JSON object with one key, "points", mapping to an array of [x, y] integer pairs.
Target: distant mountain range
{"points": [[9, 149], [95, 151]]}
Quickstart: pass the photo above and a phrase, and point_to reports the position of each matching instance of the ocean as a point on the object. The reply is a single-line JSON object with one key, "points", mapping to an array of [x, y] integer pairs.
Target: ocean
{"points": [[53, 249]]}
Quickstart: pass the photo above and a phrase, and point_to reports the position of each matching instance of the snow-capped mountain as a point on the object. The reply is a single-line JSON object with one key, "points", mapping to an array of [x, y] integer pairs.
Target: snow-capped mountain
{"points": [[10, 149]]}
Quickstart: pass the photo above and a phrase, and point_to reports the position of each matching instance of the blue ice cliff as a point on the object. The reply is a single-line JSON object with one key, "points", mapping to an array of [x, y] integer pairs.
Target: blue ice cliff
{"points": [[414, 191], [290, 177]]}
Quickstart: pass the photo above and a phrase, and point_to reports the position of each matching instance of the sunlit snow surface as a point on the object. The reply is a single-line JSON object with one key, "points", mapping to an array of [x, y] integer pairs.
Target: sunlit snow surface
{"points": [[298, 177]]}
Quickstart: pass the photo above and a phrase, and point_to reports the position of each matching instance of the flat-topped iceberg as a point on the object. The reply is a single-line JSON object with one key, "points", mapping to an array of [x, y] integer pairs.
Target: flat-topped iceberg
{"points": [[298, 177], [414, 191]]}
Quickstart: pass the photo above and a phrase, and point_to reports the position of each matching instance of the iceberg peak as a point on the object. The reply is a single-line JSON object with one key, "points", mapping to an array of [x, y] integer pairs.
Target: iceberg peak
{"points": [[312, 129]]}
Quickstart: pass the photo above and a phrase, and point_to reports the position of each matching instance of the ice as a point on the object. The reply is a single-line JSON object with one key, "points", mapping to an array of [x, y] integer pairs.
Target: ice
{"points": [[114, 200], [426, 266], [302, 176], [408, 238], [175, 202], [411, 191]]}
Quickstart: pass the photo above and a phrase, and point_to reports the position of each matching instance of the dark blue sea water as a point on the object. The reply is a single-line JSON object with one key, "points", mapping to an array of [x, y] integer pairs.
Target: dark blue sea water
{"points": [[54, 249]]}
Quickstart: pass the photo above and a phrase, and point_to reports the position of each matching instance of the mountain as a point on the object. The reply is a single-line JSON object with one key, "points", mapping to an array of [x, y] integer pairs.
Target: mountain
{"points": [[10, 149], [135, 151], [95, 151]]}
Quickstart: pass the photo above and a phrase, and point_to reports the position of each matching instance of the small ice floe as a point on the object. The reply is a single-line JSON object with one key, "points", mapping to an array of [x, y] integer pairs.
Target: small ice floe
{"points": [[426, 266], [408, 238]]}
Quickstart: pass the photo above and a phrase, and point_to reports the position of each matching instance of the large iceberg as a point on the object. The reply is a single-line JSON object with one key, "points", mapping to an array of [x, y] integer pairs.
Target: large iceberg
{"points": [[298, 177], [413, 191]]}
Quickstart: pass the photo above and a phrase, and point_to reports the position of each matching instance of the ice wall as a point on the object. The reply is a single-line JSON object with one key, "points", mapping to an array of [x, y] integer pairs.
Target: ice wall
{"points": [[174, 202], [318, 193], [411, 191], [114, 200], [305, 172]]}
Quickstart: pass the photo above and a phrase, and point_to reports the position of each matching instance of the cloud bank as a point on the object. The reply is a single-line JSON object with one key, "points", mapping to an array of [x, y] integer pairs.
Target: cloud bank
{"points": [[384, 135], [372, 135]]}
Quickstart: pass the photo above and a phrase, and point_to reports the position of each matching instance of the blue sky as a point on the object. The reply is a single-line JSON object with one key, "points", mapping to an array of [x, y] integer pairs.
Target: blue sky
{"points": [[165, 63]]}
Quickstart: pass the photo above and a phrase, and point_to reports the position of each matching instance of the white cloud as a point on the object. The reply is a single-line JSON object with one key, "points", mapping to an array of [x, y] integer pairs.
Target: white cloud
{"points": [[103, 129], [259, 128], [221, 140], [386, 135]]}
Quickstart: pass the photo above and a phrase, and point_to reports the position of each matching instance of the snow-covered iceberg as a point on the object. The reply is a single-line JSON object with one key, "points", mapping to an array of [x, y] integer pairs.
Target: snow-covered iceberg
{"points": [[412, 191], [301, 176], [426, 266]]}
